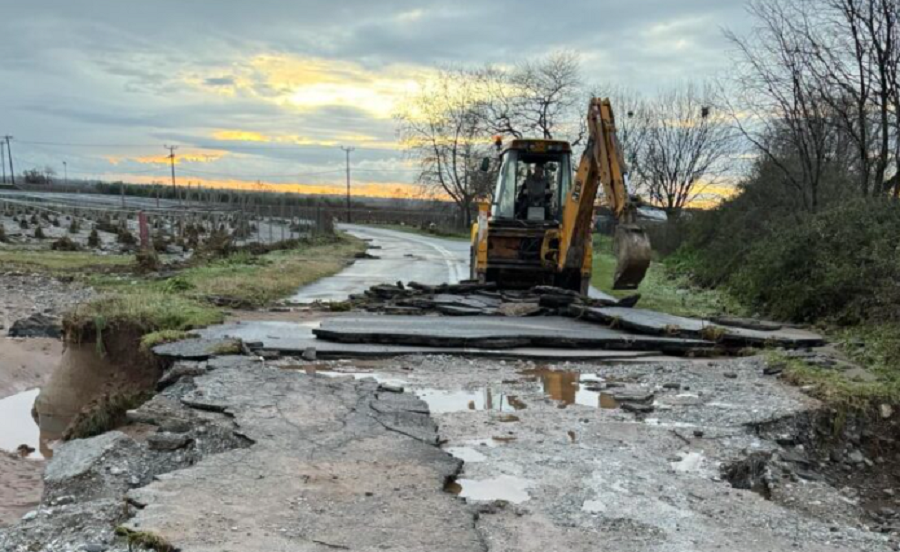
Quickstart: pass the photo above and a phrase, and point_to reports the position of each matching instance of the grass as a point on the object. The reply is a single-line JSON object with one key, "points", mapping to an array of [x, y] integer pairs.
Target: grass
{"points": [[876, 347], [459, 236], [144, 539], [142, 310], [160, 337], [660, 290], [161, 311], [63, 262], [255, 281], [834, 388]]}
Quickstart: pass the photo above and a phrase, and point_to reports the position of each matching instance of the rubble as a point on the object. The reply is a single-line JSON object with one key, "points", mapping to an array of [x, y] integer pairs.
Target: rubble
{"points": [[36, 325], [656, 323], [240, 439], [470, 299]]}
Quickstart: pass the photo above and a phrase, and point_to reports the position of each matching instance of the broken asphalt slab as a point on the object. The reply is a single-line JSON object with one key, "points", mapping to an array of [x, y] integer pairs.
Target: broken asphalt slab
{"points": [[323, 463], [656, 323], [294, 338], [335, 464], [495, 333]]}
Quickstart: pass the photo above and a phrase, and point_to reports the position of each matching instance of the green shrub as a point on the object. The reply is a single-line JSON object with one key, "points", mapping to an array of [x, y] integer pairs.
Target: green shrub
{"points": [[64, 244], [94, 238], [841, 264]]}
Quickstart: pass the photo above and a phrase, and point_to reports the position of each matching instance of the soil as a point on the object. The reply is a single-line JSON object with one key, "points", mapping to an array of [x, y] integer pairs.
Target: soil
{"points": [[20, 486], [24, 364]]}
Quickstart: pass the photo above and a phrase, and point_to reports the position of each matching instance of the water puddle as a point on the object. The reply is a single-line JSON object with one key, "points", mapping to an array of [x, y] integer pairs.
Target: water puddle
{"points": [[442, 401], [503, 487], [17, 426], [691, 462], [572, 387], [466, 454], [330, 372]]}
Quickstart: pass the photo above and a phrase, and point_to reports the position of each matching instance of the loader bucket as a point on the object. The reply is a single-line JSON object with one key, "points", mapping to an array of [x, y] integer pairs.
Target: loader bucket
{"points": [[632, 248]]}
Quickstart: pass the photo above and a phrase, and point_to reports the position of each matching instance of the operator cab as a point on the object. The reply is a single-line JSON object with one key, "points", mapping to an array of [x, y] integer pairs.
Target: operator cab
{"points": [[534, 179]]}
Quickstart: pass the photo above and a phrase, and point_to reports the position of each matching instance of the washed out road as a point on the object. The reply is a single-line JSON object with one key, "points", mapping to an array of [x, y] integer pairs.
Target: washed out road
{"points": [[401, 256]]}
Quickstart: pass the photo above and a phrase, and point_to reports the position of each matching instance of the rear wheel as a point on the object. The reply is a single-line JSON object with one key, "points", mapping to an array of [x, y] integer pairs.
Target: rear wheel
{"points": [[569, 279]]}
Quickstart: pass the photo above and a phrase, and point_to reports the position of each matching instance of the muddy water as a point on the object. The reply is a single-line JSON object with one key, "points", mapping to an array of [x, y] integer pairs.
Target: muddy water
{"points": [[572, 387], [37, 418], [17, 427]]}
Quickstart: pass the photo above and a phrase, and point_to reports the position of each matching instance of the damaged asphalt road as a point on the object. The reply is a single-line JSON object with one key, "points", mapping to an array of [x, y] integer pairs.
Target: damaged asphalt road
{"points": [[247, 457], [242, 455], [558, 457], [627, 450]]}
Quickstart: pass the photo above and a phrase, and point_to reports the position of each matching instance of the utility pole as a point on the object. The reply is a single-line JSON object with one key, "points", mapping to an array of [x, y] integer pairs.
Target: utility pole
{"points": [[12, 171], [3, 163], [347, 152], [66, 173], [172, 164]]}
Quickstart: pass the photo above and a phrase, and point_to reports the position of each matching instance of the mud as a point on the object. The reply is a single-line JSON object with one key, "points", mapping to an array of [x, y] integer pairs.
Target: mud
{"points": [[26, 363]]}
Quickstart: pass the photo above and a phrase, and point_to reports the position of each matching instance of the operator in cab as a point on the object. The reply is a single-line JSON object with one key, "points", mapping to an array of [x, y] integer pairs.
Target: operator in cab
{"points": [[535, 195]]}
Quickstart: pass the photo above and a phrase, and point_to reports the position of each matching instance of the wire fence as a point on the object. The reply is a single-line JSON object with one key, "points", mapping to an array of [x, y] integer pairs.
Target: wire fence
{"points": [[245, 223]]}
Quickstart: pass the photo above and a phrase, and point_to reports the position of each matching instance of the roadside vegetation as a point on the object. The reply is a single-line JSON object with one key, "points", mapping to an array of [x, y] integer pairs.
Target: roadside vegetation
{"points": [[663, 289], [158, 310]]}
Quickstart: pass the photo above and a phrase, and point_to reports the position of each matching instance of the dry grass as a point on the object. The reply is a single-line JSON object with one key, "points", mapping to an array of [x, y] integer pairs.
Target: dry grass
{"points": [[62, 262]]}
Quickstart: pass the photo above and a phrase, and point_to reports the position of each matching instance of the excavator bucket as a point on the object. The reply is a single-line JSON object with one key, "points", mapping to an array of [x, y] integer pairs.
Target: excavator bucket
{"points": [[632, 248]]}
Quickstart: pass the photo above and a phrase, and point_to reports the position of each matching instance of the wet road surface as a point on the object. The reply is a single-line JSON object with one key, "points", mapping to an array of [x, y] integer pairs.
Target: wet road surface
{"points": [[402, 256]]}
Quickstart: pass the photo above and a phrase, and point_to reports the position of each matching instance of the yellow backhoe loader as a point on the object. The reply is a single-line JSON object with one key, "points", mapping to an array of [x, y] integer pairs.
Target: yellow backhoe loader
{"points": [[537, 230]]}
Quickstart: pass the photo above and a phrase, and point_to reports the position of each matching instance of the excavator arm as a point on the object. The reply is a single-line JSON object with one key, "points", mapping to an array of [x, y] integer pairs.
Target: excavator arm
{"points": [[602, 163]]}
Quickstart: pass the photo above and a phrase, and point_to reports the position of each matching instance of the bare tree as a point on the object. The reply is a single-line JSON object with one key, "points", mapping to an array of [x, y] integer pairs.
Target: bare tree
{"points": [[821, 76], [541, 98], [783, 111], [683, 147], [440, 128]]}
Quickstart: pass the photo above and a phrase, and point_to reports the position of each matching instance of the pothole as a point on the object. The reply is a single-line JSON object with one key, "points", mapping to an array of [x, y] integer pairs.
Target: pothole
{"points": [[507, 488], [332, 371], [751, 473]]}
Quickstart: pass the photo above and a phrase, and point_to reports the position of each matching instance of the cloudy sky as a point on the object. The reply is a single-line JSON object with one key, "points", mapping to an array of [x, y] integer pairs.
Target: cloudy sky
{"points": [[268, 90]]}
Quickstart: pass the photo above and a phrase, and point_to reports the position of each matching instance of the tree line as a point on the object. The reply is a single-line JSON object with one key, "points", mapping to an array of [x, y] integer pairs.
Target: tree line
{"points": [[813, 99]]}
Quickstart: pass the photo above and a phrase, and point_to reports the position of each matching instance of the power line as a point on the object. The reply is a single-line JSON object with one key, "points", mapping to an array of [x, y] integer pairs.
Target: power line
{"points": [[347, 152], [12, 172], [172, 164], [282, 175], [85, 145]]}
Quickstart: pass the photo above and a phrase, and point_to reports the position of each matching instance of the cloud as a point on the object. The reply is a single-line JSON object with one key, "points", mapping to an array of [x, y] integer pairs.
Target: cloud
{"points": [[219, 81], [277, 86]]}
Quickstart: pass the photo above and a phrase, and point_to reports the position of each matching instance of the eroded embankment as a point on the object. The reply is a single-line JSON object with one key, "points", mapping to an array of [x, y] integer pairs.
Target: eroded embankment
{"points": [[239, 455]]}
